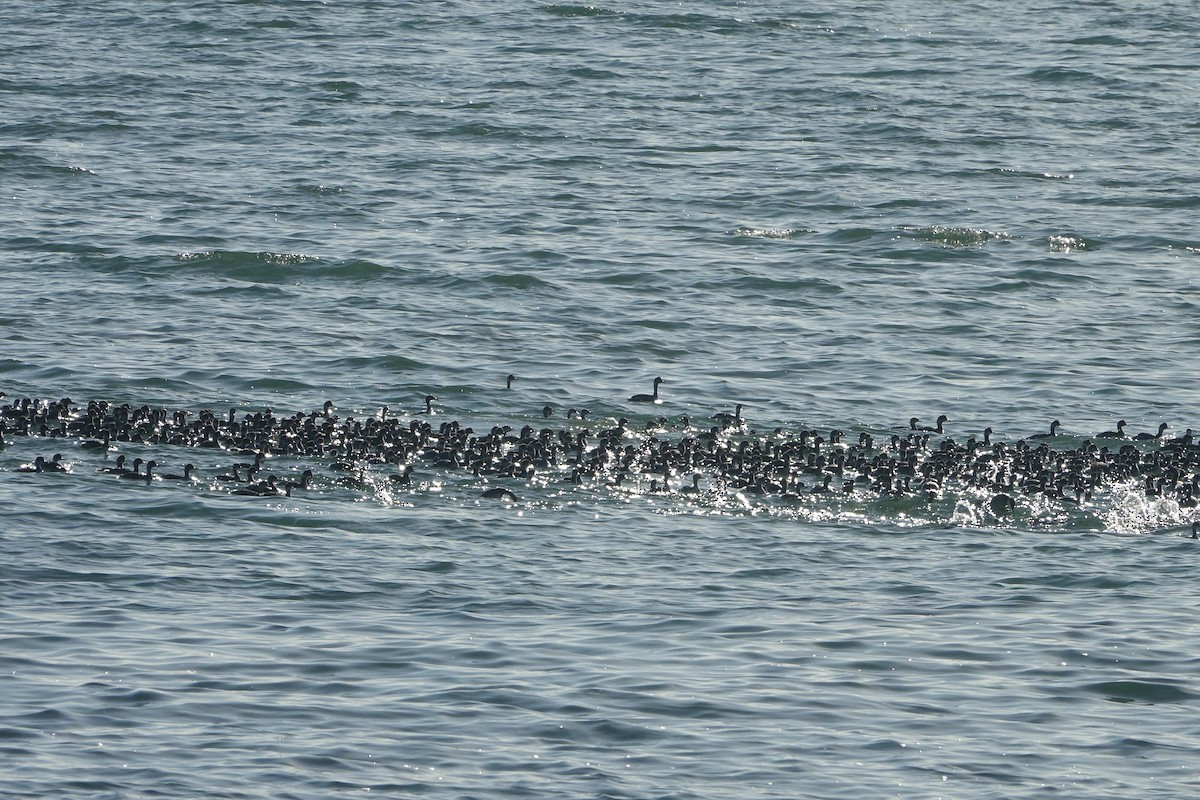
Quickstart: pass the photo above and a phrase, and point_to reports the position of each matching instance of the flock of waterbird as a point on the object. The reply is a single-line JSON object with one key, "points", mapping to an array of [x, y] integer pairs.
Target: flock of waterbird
{"points": [[664, 456]]}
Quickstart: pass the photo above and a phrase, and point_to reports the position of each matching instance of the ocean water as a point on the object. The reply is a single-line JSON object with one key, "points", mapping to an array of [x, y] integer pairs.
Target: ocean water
{"points": [[839, 215]]}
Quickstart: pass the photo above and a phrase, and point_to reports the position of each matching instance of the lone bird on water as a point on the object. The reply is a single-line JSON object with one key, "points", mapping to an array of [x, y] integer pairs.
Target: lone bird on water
{"points": [[649, 398]]}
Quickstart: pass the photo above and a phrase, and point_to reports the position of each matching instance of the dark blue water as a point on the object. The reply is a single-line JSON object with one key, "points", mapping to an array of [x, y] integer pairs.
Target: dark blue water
{"points": [[840, 217]]}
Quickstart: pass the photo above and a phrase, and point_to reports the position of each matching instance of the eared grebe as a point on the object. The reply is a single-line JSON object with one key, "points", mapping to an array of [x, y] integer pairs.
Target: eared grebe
{"points": [[38, 465], [119, 468], [1054, 426], [1145, 437], [146, 476], [649, 398], [728, 420], [136, 472], [101, 444], [941, 420], [55, 464], [188, 469]]}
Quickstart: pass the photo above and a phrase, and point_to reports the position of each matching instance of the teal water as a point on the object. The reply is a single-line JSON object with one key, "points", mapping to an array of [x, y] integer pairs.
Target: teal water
{"points": [[839, 217]]}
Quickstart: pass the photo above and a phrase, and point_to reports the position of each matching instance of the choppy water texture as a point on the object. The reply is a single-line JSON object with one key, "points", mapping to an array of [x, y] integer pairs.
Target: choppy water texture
{"points": [[839, 215]]}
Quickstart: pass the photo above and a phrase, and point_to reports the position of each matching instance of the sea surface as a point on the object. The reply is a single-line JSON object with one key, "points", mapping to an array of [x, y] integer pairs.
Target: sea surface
{"points": [[840, 215]]}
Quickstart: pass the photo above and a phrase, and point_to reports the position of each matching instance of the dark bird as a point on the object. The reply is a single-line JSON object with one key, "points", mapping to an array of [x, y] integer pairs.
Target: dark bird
{"points": [[146, 476], [267, 488], [728, 420], [186, 476], [649, 398], [1145, 437], [1002, 504], [100, 444], [55, 464], [136, 472], [38, 465], [942, 420], [119, 469], [1054, 426]]}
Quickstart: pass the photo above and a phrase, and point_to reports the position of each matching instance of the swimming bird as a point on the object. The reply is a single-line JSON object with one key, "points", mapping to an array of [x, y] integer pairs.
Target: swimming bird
{"points": [[119, 468], [146, 476], [649, 398], [186, 476], [1054, 426], [356, 481], [1119, 433], [136, 472], [257, 465], [499, 493], [100, 444], [38, 465], [305, 479], [728, 420], [1145, 437], [233, 476], [941, 420], [55, 464], [1196, 530], [429, 404], [267, 488], [823, 486], [509, 381]]}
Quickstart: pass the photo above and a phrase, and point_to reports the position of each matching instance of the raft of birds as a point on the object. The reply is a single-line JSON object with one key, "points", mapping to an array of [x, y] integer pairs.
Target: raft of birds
{"points": [[663, 457]]}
